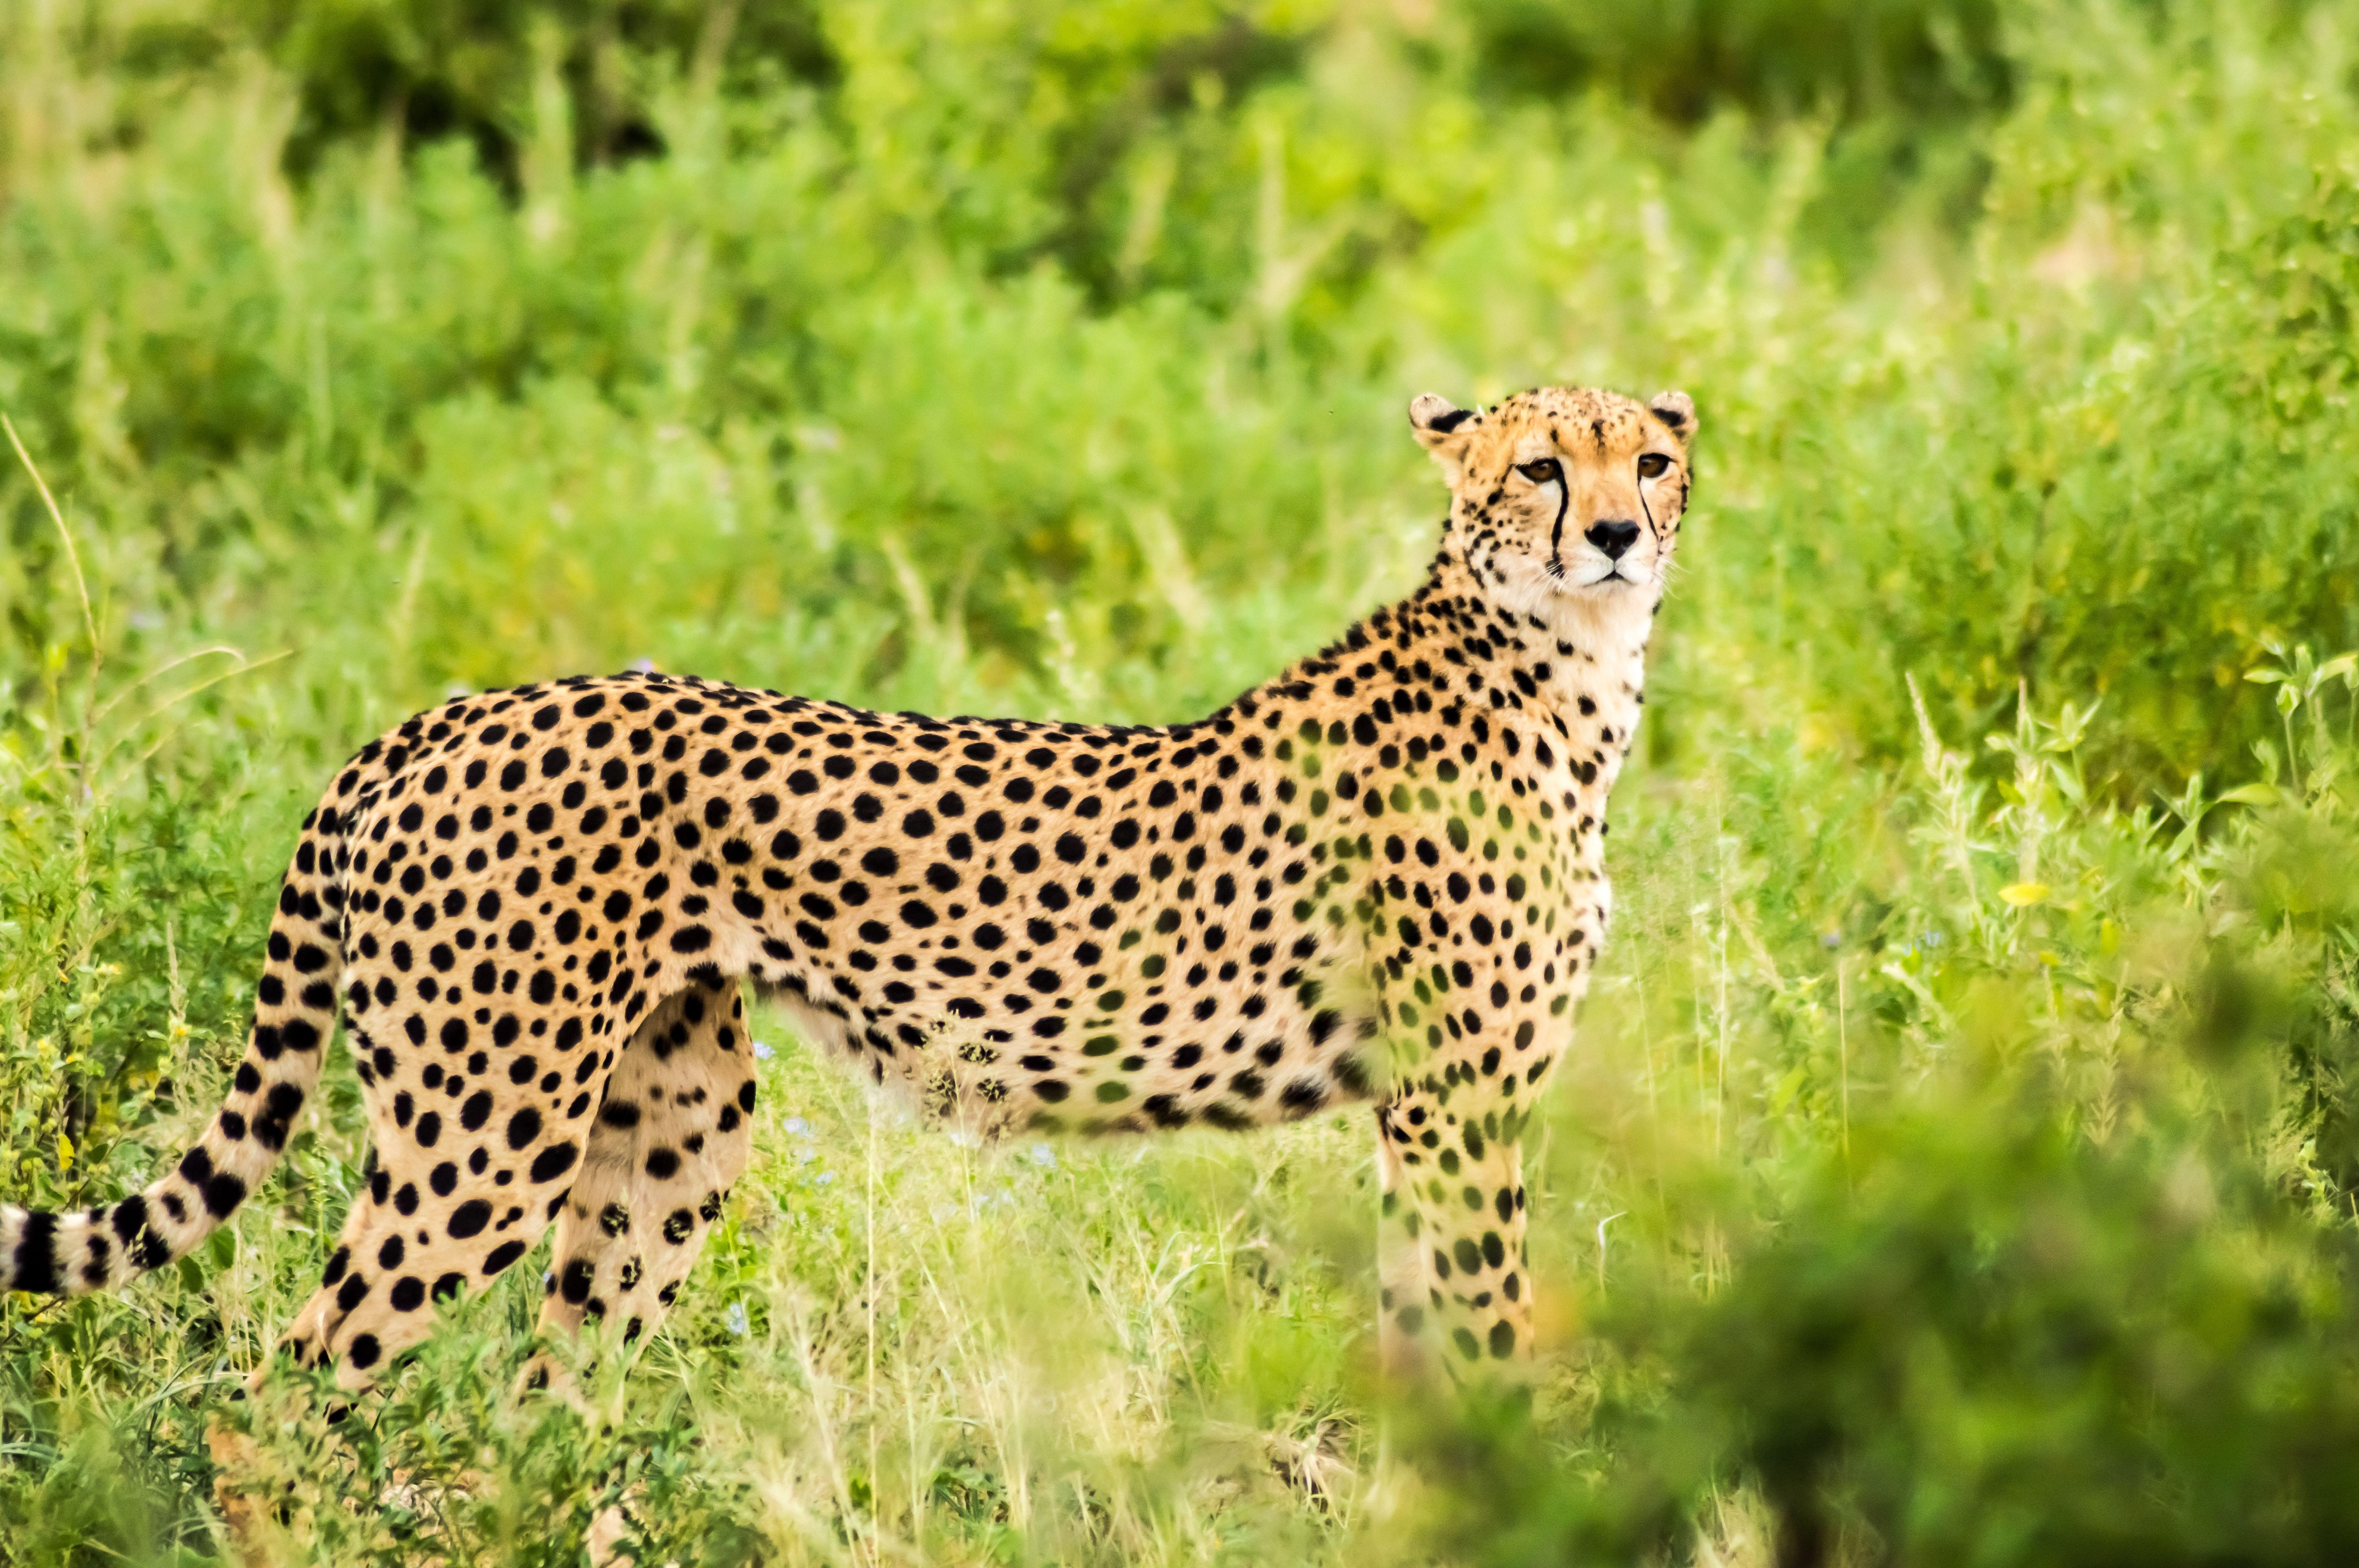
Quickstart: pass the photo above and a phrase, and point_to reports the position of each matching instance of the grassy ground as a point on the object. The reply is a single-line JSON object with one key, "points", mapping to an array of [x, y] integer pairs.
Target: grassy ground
{"points": [[1957, 1161]]}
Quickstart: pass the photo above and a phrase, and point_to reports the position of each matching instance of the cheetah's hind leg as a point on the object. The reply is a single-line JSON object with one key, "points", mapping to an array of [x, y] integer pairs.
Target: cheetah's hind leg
{"points": [[671, 1137], [472, 1161]]}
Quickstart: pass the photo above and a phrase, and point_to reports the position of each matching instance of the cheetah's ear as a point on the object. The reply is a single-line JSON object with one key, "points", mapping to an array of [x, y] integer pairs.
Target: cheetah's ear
{"points": [[1676, 410], [1441, 429]]}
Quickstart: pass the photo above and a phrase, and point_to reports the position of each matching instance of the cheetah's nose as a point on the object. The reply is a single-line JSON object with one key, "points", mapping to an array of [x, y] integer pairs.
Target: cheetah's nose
{"points": [[1613, 538]]}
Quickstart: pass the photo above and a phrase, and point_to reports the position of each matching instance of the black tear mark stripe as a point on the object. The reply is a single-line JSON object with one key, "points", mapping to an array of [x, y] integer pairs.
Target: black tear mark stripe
{"points": [[1563, 504]]}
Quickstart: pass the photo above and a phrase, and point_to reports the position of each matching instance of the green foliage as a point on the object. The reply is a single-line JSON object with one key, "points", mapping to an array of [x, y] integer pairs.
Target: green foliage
{"points": [[419, 71], [1907, 58], [1993, 1343], [1959, 1157]]}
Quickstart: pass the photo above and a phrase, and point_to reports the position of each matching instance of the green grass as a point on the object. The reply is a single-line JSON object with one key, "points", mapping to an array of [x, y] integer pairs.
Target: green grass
{"points": [[1957, 1160]]}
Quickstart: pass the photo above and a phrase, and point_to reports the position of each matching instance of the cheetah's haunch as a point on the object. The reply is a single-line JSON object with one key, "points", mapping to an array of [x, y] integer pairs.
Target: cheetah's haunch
{"points": [[1377, 877]]}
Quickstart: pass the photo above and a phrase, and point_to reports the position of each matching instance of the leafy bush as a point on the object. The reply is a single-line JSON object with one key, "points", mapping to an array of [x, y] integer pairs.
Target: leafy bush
{"points": [[1909, 58]]}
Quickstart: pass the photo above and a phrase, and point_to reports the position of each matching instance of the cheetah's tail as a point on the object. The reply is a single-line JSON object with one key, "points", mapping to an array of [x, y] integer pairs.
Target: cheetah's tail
{"points": [[294, 1013]]}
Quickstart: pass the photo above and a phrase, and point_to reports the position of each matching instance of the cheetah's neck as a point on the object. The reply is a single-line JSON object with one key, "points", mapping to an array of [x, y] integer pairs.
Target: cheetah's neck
{"points": [[1584, 657], [1543, 699]]}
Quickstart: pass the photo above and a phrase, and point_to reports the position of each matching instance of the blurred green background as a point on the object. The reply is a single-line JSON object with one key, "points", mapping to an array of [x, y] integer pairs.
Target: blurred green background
{"points": [[1957, 1160]]}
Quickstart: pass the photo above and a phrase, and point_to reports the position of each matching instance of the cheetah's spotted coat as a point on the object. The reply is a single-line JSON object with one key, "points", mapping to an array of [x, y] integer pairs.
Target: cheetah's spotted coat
{"points": [[1378, 876]]}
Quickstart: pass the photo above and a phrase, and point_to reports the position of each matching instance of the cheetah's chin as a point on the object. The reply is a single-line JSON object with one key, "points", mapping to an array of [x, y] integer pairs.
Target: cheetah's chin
{"points": [[1552, 595]]}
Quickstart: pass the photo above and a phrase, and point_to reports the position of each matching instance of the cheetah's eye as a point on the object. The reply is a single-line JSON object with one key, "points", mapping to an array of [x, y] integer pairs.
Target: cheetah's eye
{"points": [[1542, 472], [1653, 465]]}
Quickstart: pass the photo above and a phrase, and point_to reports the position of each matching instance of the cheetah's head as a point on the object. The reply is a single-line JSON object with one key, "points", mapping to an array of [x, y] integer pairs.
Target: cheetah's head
{"points": [[1564, 493]]}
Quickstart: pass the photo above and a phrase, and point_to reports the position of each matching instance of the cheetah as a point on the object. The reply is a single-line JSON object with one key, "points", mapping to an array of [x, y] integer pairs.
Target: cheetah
{"points": [[1378, 877]]}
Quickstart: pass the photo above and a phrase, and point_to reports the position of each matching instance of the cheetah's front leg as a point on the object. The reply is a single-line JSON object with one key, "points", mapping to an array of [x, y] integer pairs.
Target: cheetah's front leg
{"points": [[1456, 1283]]}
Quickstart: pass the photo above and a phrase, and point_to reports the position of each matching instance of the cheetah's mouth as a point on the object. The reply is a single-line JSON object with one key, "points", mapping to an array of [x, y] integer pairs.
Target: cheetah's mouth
{"points": [[1563, 582]]}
